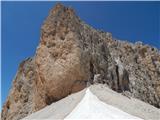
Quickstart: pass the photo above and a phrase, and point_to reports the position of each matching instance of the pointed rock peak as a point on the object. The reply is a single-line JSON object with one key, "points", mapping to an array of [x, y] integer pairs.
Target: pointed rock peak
{"points": [[60, 9], [61, 19], [59, 6]]}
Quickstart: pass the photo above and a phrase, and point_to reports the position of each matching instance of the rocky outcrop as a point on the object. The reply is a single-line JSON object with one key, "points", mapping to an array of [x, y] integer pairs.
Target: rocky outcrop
{"points": [[72, 55], [20, 99], [142, 63]]}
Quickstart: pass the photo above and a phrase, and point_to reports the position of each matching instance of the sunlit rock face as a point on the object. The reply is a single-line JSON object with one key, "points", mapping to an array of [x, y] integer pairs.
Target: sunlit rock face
{"points": [[72, 55], [20, 99]]}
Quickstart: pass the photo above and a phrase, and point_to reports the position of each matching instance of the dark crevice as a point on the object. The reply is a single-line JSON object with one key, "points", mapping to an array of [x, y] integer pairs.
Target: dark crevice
{"points": [[126, 80], [8, 107], [50, 99], [91, 72], [62, 37], [118, 84]]}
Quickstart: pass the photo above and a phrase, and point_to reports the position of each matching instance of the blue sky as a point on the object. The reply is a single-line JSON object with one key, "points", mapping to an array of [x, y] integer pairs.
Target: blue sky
{"points": [[21, 23]]}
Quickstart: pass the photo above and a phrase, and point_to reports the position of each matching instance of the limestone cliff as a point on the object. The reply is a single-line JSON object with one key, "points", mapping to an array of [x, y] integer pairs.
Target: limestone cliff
{"points": [[72, 55]]}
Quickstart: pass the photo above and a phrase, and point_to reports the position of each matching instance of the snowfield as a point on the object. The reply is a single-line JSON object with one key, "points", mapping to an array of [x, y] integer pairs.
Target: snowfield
{"points": [[91, 107], [97, 102]]}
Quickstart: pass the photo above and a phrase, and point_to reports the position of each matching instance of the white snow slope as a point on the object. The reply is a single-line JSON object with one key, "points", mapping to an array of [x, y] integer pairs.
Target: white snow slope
{"points": [[97, 102], [90, 107]]}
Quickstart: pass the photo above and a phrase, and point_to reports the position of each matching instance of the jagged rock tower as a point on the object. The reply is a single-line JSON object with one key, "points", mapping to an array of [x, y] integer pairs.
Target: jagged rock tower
{"points": [[72, 55]]}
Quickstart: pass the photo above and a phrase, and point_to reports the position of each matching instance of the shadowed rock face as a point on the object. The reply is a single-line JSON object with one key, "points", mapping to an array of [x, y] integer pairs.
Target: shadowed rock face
{"points": [[72, 55]]}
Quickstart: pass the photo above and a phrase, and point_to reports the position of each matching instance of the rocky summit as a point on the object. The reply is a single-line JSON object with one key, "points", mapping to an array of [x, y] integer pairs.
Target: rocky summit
{"points": [[71, 56]]}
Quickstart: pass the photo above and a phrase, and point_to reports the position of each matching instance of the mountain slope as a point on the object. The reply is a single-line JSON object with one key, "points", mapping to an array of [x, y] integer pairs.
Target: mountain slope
{"points": [[90, 107], [75, 106], [72, 55]]}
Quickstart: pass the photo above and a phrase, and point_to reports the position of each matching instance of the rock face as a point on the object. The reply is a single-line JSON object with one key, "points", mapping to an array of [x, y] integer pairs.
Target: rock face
{"points": [[72, 55], [19, 102]]}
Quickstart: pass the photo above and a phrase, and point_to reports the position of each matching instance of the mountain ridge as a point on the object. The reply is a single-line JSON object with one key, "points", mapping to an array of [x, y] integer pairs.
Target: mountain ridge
{"points": [[72, 55]]}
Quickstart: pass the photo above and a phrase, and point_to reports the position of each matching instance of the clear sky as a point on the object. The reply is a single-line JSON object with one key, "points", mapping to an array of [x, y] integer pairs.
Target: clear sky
{"points": [[21, 23]]}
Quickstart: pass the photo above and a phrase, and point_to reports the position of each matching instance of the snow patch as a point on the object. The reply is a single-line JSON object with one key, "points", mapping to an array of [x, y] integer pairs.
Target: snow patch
{"points": [[90, 107]]}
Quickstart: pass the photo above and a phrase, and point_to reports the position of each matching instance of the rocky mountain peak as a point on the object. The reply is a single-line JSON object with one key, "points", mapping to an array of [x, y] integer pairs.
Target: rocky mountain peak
{"points": [[72, 55], [60, 8], [59, 22]]}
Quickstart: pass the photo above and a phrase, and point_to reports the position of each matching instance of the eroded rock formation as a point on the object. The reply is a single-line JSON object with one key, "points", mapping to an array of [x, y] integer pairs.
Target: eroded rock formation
{"points": [[72, 55], [20, 100]]}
